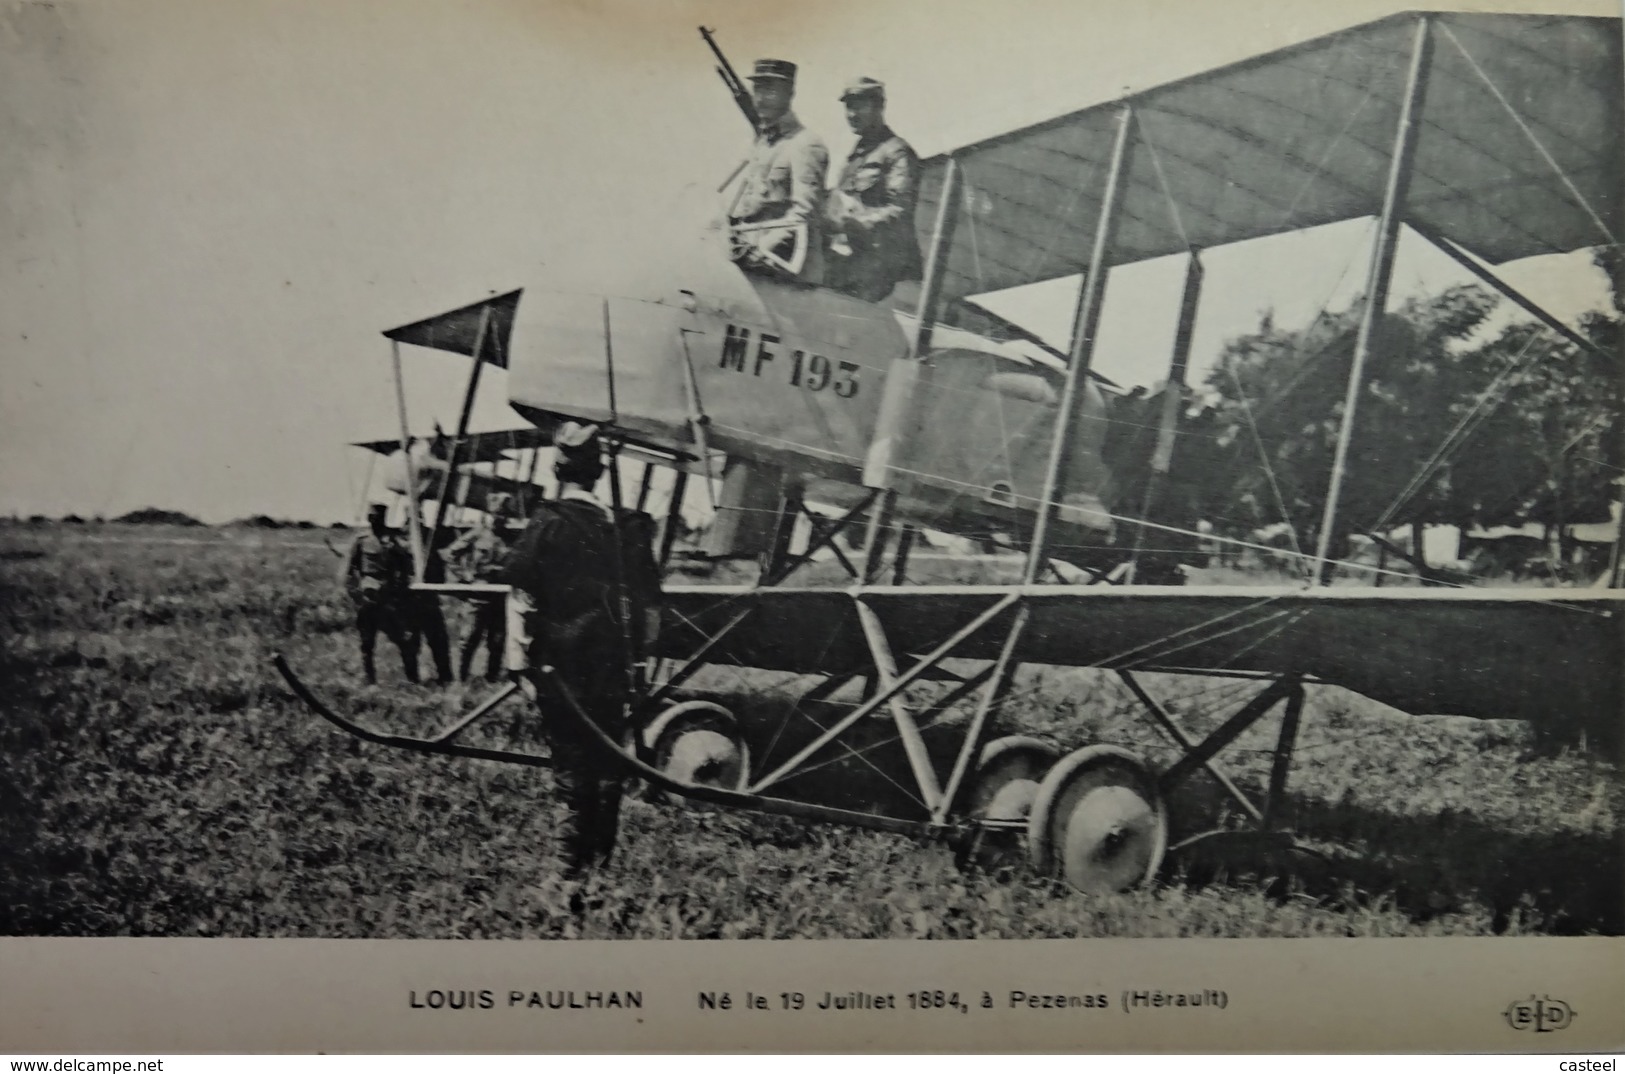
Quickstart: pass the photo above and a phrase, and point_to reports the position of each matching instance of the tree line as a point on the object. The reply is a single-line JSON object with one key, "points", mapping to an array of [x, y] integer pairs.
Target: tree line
{"points": [[1459, 422]]}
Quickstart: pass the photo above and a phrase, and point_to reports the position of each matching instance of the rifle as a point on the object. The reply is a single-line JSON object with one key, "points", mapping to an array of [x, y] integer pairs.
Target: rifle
{"points": [[736, 86]]}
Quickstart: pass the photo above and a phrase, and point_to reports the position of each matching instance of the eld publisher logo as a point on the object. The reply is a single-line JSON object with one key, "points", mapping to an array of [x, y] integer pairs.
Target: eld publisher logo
{"points": [[1543, 1015]]}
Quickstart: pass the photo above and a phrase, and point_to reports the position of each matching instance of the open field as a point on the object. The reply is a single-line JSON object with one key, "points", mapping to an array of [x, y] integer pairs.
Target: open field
{"points": [[156, 778]]}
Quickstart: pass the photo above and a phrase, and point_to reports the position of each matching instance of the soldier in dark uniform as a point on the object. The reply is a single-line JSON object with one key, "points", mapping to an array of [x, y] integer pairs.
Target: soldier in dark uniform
{"points": [[565, 566], [870, 214], [477, 556], [427, 620], [377, 572]]}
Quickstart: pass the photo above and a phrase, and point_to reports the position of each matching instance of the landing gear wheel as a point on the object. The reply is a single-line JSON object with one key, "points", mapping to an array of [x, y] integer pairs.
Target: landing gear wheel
{"points": [[698, 742], [1098, 821], [1007, 777], [1002, 788]]}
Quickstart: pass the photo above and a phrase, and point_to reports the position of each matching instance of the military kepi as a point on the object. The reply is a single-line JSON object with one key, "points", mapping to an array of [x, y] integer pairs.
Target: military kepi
{"points": [[576, 440], [863, 87], [780, 69]]}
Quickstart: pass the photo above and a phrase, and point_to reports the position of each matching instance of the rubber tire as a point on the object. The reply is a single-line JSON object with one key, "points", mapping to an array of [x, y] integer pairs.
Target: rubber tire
{"points": [[699, 742], [1005, 781], [1002, 786], [1098, 822]]}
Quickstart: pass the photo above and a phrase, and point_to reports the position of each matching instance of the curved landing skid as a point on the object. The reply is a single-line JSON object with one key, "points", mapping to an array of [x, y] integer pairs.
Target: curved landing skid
{"points": [[1250, 844], [607, 747], [1275, 854], [441, 743], [991, 821]]}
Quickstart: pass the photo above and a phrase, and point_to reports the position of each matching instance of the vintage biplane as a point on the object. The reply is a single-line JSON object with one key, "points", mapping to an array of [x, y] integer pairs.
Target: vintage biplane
{"points": [[1495, 137]]}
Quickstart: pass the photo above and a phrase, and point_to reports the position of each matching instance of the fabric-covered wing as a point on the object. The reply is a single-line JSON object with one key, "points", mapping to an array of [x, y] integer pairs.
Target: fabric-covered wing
{"points": [[488, 446], [1519, 151], [1542, 656]]}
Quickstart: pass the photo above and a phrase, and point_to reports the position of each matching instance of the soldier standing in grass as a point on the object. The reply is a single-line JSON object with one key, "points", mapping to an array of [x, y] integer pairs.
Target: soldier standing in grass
{"points": [[569, 584], [428, 622], [477, 556], [377, 572]]}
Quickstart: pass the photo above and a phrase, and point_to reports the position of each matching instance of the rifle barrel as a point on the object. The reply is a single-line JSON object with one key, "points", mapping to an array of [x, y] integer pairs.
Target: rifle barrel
{"points": [[731, 79]]}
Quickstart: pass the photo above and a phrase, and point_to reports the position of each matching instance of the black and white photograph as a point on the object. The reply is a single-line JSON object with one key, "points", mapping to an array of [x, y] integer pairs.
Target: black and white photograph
{"points": [[528, 470]]}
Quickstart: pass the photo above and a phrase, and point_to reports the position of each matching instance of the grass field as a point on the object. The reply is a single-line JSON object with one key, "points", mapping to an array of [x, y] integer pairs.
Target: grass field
{"points": [[156, 778]]}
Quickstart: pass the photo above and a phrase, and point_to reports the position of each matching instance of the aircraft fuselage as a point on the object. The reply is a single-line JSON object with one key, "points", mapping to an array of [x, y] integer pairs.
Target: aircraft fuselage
{"points": [[795, 379]]}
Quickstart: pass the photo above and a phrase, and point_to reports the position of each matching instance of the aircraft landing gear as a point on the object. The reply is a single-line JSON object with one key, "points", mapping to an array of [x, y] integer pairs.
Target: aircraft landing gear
{"points": [[1098, 821], [699, 743], [1002, 790]]}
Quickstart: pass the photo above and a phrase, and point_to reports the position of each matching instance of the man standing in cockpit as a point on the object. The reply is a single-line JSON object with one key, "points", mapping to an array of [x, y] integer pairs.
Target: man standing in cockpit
{"points": [[870, 214], [775, 218]]}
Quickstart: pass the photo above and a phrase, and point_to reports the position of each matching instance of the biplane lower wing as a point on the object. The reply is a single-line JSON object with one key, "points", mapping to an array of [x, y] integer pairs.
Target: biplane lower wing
{"points": [[1538, 656]]}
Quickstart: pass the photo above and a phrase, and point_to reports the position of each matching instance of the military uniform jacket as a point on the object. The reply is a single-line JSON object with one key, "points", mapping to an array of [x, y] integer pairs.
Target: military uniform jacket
{"points": [[565, 562], [882, 176], [783, 179], [376, 569]]}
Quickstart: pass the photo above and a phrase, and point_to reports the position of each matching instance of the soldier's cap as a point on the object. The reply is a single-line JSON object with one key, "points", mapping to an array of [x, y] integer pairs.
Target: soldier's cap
{"points": [[780, 69], [576, 441], [864, 87]]}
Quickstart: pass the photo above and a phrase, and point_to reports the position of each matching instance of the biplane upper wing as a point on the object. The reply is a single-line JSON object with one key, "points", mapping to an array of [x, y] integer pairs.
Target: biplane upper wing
{"points": [[495, 445], [1519, 151], [487, 446]]}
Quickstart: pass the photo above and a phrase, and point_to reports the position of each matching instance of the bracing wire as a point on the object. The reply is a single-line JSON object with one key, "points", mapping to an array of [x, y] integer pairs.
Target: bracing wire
{"points": [[1162, 181], [1269, 468], [1458, 435], [1528, 133]]}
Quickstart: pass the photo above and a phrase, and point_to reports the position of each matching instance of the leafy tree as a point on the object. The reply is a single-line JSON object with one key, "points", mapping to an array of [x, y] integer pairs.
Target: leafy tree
{"points": [[1456, 423], [1548, 452]]}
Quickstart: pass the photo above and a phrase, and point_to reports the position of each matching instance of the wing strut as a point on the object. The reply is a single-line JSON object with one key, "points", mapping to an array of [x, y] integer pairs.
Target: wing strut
{"points": [[1085, 322], [1512, 294], [1381, 273], [414, 523], [903, 375], [1173, 402], [457, 441], [697, 420]]}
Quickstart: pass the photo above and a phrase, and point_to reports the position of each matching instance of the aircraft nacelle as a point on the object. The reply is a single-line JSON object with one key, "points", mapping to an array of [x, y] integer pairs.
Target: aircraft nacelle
{"points": [[817, 389]]}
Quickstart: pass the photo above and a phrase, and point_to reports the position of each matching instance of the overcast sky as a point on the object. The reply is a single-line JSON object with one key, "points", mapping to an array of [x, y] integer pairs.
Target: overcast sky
{"points": [[210, 210]]}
